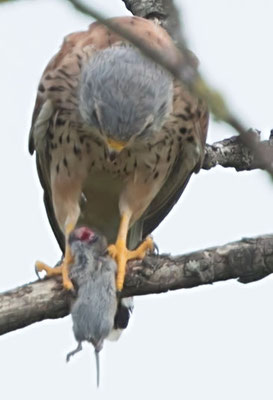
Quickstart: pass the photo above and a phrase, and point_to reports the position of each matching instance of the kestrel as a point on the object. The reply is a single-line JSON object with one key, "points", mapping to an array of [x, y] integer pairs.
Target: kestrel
{"points": [[116, 139]]}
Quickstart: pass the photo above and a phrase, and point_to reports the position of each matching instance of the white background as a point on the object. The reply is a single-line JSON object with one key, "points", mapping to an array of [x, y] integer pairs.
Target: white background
{"points": [[212, 342]]}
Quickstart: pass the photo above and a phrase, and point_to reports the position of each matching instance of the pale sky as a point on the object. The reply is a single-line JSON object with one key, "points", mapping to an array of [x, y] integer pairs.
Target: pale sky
{"points": [[212, 342]]}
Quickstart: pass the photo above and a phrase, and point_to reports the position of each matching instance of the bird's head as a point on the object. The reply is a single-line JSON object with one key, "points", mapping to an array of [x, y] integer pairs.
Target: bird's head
{"points": [[124, 95]]}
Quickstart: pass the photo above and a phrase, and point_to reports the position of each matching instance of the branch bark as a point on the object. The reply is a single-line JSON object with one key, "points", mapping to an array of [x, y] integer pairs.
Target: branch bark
{"points": [[163, 10], [232, 152], [246, 260]]}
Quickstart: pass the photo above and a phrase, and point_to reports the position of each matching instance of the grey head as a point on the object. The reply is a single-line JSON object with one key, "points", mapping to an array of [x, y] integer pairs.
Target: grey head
{"points": [[124, 95], [93, 274]]}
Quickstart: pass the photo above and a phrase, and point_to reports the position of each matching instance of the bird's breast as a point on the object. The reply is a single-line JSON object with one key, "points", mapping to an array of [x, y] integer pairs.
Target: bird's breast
{"points": [[135, 174], [110, 174]]}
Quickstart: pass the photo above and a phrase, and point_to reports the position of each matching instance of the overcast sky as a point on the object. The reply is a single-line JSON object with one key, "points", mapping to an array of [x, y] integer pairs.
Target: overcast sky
{"points": [[211, 342]]}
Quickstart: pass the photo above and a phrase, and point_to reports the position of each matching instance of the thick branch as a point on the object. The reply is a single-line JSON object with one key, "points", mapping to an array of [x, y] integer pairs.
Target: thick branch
{"points": [[233, 153], [248, 260]]}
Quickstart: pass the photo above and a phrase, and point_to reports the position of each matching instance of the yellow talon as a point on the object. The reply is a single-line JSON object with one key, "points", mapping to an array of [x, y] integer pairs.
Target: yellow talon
{"points": [[121, 255], [62, 269], [40, 266], [142, 249]]}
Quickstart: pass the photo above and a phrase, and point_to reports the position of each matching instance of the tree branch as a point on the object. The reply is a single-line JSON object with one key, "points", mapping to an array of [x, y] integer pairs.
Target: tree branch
{"points": [[232, 152], [163, 10], [183, 67], [247, 260]]}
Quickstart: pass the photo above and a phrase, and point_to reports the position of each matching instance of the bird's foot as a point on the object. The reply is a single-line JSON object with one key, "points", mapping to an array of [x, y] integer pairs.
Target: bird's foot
{"points": [[62, 269], [40, 266], [121, 255]]}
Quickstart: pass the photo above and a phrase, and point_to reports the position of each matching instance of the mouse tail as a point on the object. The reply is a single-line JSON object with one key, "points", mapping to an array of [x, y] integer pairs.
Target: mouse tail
{"points": [[97, 356]]}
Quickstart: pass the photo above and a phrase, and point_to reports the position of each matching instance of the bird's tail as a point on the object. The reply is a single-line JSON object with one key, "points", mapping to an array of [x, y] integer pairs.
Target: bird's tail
{"points": [[124, 310]]}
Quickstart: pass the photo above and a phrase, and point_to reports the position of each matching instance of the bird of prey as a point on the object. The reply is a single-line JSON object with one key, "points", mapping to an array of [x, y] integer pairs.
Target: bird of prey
{"points": [[97, 312], [116, 139]]}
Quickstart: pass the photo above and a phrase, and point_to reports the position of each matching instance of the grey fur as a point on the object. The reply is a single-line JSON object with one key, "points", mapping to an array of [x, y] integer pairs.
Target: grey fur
{"points": [[124, 94], [94, 308]]}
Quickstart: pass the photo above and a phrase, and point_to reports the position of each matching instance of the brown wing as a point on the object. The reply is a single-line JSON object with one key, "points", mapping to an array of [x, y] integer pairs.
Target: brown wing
{"points": [[57, 100], [189, 120]]}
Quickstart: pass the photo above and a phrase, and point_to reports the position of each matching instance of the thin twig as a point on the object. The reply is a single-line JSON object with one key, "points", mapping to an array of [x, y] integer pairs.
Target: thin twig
{"points": [[182, 67]]}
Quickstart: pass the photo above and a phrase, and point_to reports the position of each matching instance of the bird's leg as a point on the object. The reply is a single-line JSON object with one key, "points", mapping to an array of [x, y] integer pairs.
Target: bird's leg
{"points": [[121, 254], [62, 269], [68, 258]]}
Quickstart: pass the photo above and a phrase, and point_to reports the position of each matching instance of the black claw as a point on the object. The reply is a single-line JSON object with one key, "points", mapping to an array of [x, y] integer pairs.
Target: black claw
{"points": [[37, 273], [156, 249]]}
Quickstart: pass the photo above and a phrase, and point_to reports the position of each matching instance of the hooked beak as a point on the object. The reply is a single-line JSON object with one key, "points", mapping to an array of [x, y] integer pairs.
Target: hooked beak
{"points": [[116, 145]]}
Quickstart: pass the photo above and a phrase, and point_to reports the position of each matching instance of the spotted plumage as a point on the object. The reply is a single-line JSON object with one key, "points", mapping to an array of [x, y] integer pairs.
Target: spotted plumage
{"points": [[112, 126]]}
